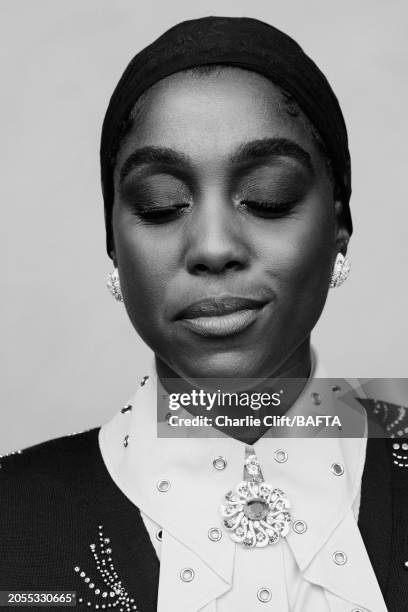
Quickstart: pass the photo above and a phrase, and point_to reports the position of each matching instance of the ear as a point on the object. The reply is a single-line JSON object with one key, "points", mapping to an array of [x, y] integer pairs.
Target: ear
{"points": [[112, 252], [112, 255], [342, 234]]}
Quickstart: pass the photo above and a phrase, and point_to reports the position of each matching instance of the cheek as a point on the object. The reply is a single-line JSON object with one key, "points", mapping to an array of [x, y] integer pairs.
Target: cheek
{"points": [[145, 269], [297, 254]]}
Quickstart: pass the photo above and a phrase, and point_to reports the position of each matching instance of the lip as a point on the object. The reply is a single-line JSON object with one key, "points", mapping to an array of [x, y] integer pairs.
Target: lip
{"points": [[219, 306], [221, 316]]}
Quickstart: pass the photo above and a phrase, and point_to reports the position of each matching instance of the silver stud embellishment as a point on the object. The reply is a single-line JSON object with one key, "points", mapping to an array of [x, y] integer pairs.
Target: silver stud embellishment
{"points": [[400, 454], [187, 574], [281, 456], [144, 380], [264, 595], [15, 452], [337, 469], [316, 399], [220, 463], [108, 587], [214, 534], [163, 485], [299, 527], [339, 557], [393, 417]]}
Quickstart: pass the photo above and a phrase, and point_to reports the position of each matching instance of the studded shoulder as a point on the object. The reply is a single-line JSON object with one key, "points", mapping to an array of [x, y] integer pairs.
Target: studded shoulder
{"points": [[400, 453], [6, 456], [393, 418]]}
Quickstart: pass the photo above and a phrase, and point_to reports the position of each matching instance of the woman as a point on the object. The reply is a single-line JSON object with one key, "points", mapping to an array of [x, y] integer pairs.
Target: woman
{"points": [[226, 181]]}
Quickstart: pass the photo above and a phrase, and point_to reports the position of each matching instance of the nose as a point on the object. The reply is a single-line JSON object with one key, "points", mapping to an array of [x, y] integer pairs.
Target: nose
{"points": [[215, 242]]}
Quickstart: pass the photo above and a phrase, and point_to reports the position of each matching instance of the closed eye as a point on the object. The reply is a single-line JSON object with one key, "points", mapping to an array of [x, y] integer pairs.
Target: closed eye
{"points": [[268, 208], [161, 214]]}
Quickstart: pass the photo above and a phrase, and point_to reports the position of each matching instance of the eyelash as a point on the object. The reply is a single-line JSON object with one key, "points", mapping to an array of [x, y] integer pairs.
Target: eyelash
{"points": [[272, 209], [161, 214], [157, 214]]}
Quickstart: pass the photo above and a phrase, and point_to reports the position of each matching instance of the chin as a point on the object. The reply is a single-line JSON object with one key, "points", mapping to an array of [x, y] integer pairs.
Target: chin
{"points": [[226, 364]]}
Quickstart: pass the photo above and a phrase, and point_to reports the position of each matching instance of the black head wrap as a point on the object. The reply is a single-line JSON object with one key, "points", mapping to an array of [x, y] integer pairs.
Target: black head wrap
{"points": [[235, 41]]}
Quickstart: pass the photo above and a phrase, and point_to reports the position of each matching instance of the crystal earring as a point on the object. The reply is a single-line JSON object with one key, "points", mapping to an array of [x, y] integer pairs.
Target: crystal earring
{"points": [[341, 270], [113, 285]]}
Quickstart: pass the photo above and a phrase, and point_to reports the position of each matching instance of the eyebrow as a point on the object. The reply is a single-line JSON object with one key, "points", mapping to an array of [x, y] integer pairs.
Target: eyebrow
{"points": [[271, 147], [246, 153], [162, 156]]}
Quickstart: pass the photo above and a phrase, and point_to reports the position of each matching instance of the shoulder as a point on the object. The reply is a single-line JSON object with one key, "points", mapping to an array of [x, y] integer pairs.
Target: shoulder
{"points": [[42, 505], [57, 462], [60, 475], [41, 479], [58, 504]]}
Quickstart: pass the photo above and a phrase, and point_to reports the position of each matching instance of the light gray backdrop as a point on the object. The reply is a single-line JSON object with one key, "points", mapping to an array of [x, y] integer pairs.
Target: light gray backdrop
{"points": [[70, 356]]}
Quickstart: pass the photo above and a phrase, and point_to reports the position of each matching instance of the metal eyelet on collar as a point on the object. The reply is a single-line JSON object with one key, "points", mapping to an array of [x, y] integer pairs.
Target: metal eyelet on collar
{"points": [[163, 485], [264, 595], [214, 534], [299, 527], [281, 456], [220, 463], [340, 557], [337, 469], [187, 574]]}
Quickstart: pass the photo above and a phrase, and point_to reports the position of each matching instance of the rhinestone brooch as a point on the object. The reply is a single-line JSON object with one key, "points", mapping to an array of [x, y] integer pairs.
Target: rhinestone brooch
{"points": [[256, 514]]}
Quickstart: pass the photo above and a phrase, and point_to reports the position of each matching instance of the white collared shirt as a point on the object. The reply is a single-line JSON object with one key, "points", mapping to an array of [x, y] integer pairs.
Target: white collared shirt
{"points": [[301, 573]]}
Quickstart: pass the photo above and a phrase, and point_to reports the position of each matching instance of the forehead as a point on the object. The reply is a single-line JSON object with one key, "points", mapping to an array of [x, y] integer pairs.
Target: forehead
{"points": [[209, 115]]}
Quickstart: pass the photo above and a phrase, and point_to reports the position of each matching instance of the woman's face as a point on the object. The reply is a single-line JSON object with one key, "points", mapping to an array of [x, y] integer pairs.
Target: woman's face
{"points": [[225, 227]]}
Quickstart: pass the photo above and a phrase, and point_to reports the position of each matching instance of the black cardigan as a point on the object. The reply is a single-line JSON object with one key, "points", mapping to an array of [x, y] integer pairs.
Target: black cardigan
{"points": [[55, 496]]}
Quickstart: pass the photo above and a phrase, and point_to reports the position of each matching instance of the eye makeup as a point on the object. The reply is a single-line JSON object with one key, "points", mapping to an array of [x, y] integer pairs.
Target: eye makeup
{"points": [[283, 182], [155, 194], [269, 189], [273, 189]]}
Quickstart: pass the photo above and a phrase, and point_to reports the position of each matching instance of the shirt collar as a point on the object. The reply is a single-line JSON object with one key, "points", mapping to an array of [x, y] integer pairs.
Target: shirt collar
{"points": [[138, 460]]}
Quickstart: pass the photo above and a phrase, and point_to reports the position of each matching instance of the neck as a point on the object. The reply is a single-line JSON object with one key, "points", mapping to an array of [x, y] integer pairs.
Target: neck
{"points": [[284, 384]]}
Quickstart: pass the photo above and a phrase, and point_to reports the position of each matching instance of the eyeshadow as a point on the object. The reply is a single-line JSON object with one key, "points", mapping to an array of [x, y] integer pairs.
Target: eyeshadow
{"points": [[278, 181], [155, 190]]}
